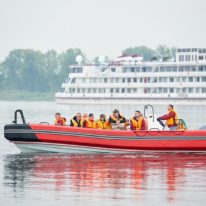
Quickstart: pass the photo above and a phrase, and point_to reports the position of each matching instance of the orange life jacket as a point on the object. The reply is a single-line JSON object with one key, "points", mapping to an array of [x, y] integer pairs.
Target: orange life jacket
{"points": [[102, 124], [90, 124], [61, 121], [115, 119], [137, 124], [75, 124], [173, 120]]}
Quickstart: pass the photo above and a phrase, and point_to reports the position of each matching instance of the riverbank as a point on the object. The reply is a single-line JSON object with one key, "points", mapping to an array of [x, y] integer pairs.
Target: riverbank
{"points": [[26, 96]]}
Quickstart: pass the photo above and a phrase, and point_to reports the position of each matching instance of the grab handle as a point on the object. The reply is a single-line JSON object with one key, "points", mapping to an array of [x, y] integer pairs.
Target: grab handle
{"points": [[21, 114]]}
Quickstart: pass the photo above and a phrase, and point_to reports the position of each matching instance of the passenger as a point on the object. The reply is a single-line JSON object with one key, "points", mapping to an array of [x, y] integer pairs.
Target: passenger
{"points": [[59, 120], [77, 121], [137, 122], [117, 119], [90, 123], [171, 117], [85, 116], [102, 123]]}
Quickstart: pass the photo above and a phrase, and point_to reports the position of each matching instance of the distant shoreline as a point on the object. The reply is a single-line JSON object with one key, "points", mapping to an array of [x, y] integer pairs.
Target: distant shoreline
{"points": [[8, 95]]}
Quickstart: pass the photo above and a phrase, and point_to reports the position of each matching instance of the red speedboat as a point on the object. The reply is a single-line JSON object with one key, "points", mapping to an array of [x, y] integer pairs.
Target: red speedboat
{"points": [[65, 139]]}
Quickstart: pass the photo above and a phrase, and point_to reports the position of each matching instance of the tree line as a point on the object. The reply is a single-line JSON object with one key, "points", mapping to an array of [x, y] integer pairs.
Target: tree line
{"points": [[34, 71]]}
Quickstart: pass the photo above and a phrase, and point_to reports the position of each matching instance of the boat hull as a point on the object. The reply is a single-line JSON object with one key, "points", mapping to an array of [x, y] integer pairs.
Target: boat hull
{"points": [[65, 139]]}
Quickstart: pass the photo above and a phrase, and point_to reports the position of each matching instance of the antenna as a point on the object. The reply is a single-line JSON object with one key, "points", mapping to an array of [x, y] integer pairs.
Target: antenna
{"points": [[101, 59], [79, 59]]}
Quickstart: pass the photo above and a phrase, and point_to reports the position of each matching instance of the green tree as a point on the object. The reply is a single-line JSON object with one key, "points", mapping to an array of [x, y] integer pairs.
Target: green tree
{"points": [[164, 51], [67, 59], [146, 52]]}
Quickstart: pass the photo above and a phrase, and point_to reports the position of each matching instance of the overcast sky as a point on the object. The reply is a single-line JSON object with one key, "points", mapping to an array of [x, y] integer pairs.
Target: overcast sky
{"points": [[100, 27]]}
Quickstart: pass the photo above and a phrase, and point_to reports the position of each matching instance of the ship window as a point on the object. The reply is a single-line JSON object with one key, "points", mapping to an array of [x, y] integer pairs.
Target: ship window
{"points": [[134, 90], [177, 79], [198, 79], [174, 69], [149, 69], [168, 69], [154, 79], [117, 90], [140, 79], [203, 79], [128, 90], [181, 69], [203, 90], [162, 69], [78, 90], [137, 69], [112, 80], [132, 69], [164, 90], [73, 81], [200, 57], [111, 90], [123, 80], [128, 80], [200, 69], [105, 80], [190, 79], [101, 90], [171, 90], [144, 69], [113, 69], [94, 90], [83, 90], [117, 80], [171, 79], [123, 90], [89, 90], [197, 90], [190, 90], [134, 79], [187, 69], [193, 69], [160, 79]]}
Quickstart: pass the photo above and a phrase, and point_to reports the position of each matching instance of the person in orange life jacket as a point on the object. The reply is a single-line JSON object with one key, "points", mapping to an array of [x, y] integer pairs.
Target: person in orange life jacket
{"points": [[59, 120], [116, 118], [90, 123], [102, 123], [171, 118], [77, 121], [137, 122], [85, 116]]}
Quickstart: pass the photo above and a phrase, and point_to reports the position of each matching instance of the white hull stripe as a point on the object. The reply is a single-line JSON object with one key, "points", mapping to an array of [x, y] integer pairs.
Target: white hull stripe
{"points": [[62, 148], [97, 136]]}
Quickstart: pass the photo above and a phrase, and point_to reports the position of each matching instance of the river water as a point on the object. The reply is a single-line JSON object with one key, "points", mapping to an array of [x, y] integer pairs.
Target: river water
{"points": [[140, 179]]}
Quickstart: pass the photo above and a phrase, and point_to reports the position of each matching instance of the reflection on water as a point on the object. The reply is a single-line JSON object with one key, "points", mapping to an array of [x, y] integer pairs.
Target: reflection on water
{"points": [[160, 179]]}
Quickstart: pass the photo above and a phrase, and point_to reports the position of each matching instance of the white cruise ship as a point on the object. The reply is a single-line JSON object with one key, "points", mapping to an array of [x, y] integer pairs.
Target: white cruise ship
{"points": [[131, 80]]}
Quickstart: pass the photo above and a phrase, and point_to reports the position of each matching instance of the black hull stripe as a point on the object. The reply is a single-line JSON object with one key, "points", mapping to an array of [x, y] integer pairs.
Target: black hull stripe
{"points": [[143, 137]]}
